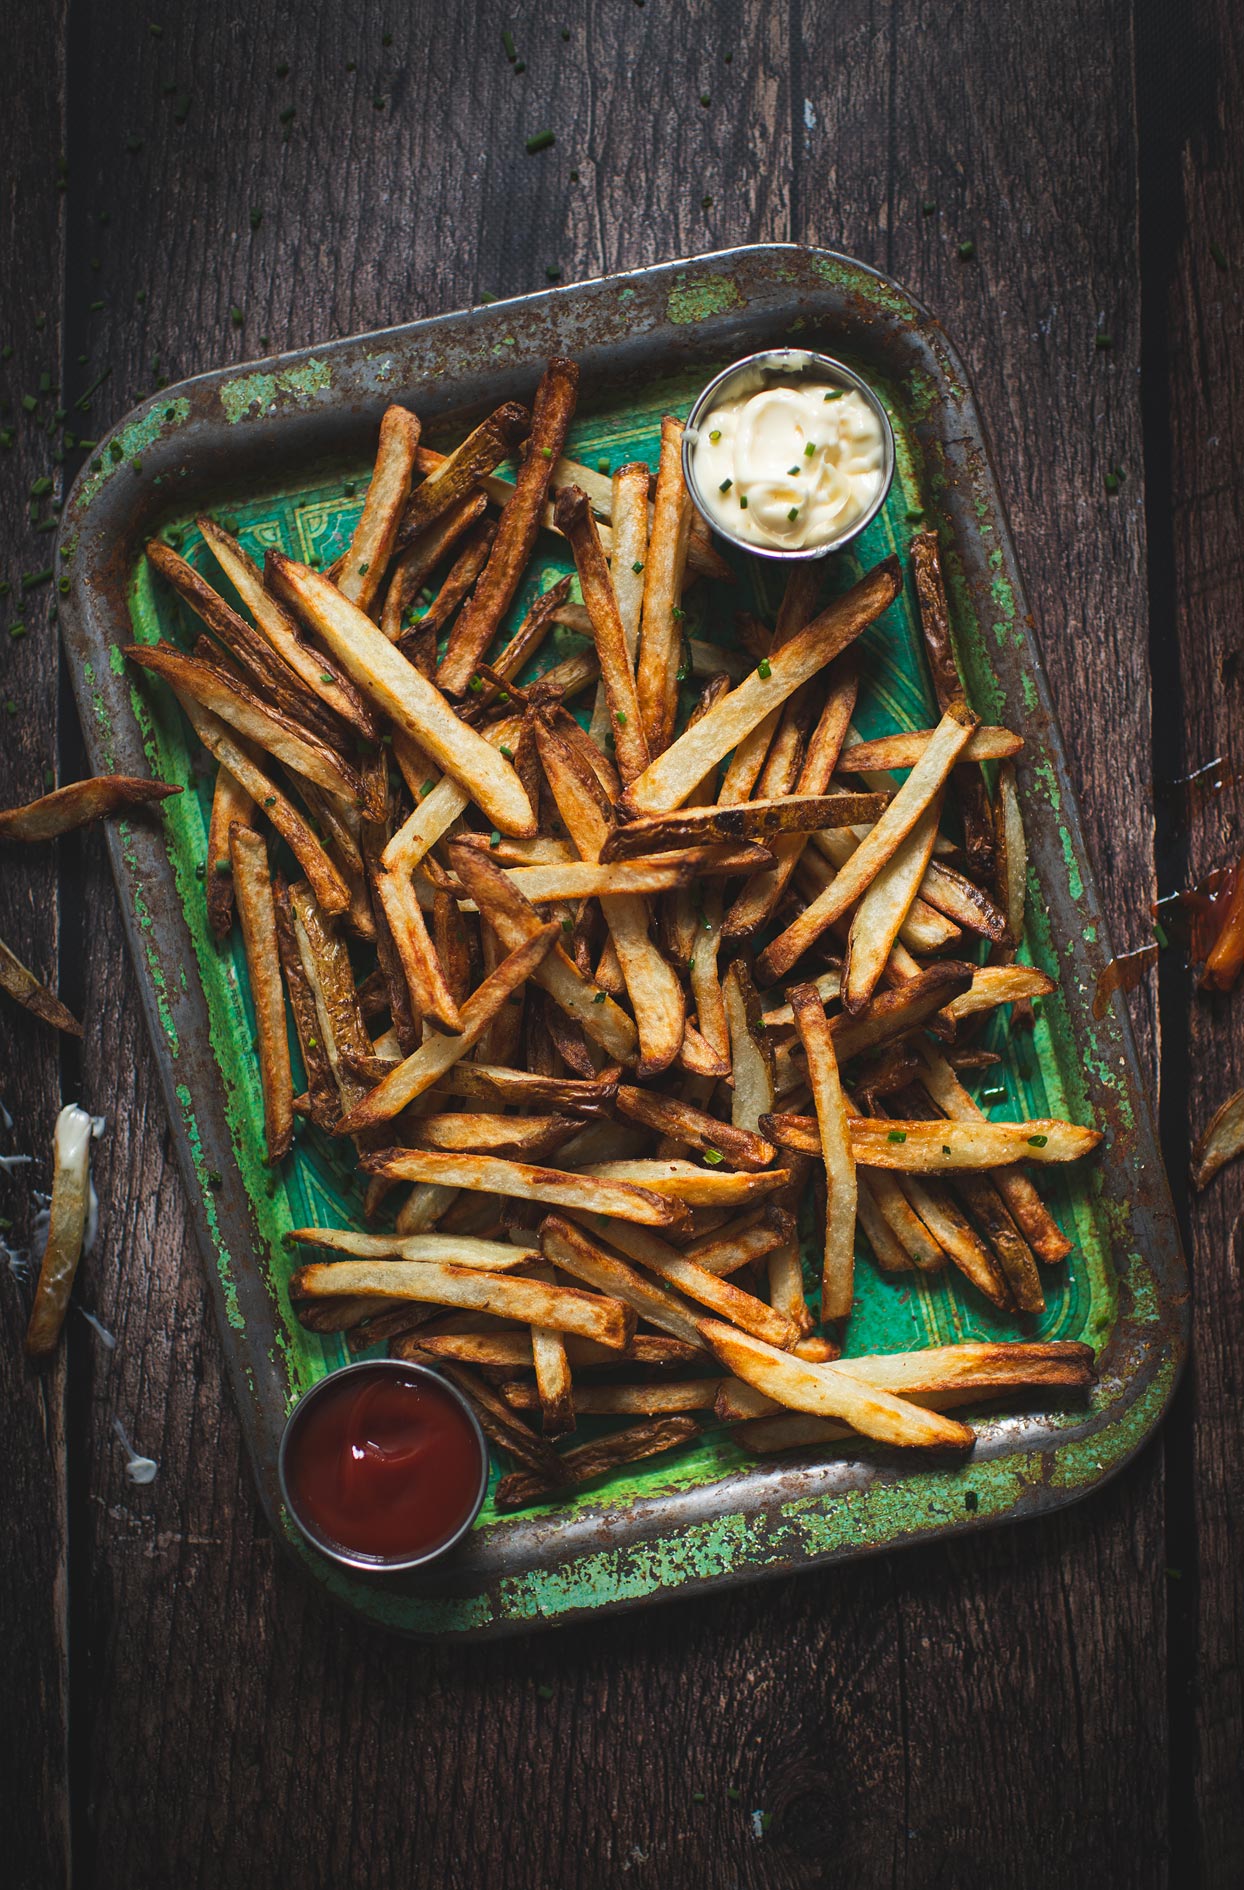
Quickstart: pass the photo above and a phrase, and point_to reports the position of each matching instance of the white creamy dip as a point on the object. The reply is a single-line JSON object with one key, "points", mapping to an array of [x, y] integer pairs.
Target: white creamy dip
{"points": [[791, 464]]}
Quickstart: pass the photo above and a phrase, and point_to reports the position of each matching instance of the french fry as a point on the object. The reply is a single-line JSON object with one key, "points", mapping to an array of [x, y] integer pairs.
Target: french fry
{"points": [[572, 1251], [523, 645], [514, 919], [978, 834], [250, 718], [556, 1187], [339, 1028], [512, 1350], [667, 782], [826, 1391], [797, 609], [838, 1270], [1011, 853], [1221, 1141], [22, 985], [66, 809], [317, 672], [552, 413], [252, 887], [463, 469], [905, 749], [1014, 1255], [898, 1012], [330, 888], [999, 984], [954, 1233], [697, 1187], [727, 1249], [960, 899], [366, 563], [977, 1367], [424, 974], [459, 1250], [586, 1462], [750, 820], [424, 1067], [695, 1282], [566, 1094], [742, 1148], [921, 1147], [888, 1250], [433, 1282], [406, 698], [412, 570], [647, 1400], [555, 1394], [455, 586], [879, 917], [588, 879], [575, 519], [751, 1052], [531, 1138], [67, 1222], [660, 636], [231, 806], [920, 789]]}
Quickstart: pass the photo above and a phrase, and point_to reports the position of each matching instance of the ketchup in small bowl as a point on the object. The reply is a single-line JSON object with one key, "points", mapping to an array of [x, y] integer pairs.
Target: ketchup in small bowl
{"points": [[383, 1465]]}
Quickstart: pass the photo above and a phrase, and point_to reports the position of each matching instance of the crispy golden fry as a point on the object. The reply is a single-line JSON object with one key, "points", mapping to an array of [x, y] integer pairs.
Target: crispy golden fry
{"points": [[415, 566], [568, 1248], [826, 1391], [462, 470], [330, 888], [742, 1148], [407, 698], [567, 1094], [905, 749], [26, 988], [242, 709], [66, 809], [879, 917], [696, 1282], [919, 1246], [750, 820], [514, 919], [797, 609], [586, 1462], [920, 789], [252, 888], [646, 1400], [511, 1350], [1012, 853], [433, 1282], [660, 637], [890, 1253], [1221, 1142], [436, 1054], [838, 1271], [629, 555], [961, 900], [1000, 984], [317, 672], [455, 586], [916, 1147], [587, 879], [521, 647], [575, 519], [339, 1026], [67, 1222], [459, 1250], [232, 807], [425, 977], [552, 413], [366, 563], [698, 1187], [530, 1138], [951, 1229], [896, 1012], [668, 781], [1013, 1254], [726, 1249], [557, 1187]]}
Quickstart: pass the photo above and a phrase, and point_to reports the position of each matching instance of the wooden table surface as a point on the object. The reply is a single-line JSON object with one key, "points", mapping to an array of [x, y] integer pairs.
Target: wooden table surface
{"points": [[1049, 1705]]}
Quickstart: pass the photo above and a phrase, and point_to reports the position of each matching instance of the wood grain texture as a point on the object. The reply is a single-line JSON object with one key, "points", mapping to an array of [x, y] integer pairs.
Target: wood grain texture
{"points": [[992, 1713], [34, 1613]]}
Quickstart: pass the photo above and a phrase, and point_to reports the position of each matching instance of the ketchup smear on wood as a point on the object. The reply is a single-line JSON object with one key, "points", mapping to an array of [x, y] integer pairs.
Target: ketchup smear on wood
{"points": [[383, 1466]]}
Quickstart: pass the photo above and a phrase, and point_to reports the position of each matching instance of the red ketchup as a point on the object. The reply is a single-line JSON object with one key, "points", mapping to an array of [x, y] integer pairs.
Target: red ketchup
{"points": [[383, 1465]]}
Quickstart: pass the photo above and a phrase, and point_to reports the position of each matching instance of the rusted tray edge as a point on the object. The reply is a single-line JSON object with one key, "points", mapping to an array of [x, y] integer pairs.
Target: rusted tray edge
{"points": [[238, 427]]}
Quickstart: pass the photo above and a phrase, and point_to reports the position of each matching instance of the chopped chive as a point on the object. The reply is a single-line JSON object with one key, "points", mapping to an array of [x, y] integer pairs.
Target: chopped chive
{"points": [[364, 568], [270, 800], [17, 629], [223, 868], [32, 579], [835, 393], [706, 98], [256, 219], [725, 485], [743, 503], [29, 404], [706, 202], [715, 435], [62, 585], [540, 141], [511, 50], [897, 1135], [1102, 340], [764, 669], [553, 273], [1037, 1141], [945, 1148], [427, 787], [1111, 482], [809, 449], [546, 452], [1160, 935], [494, 838], [567, 925], [40, 487], [793, 472], [619, 717], [236, 316], [599, 998], [503, 696], [638, 566], [967, 251], [507, 751], [545, 1692], [928, 208], [476, 685], [565, 32], [914, 514], [678, 613], [602, 465]]}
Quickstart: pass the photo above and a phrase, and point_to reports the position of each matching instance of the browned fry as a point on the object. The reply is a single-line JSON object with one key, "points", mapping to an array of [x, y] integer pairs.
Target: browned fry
{"points": [[575, 519], [698, 1187], [1221, 1142], [897, 1012], [733, 1245], [437, 1283], [232, 807], [1012, 874], [554, 1392], [515, 919], [919, 1147], [364, 567], [67, 1222], [552, 413], [339, 1025], [660, 637], [520, 649], [585, 879], [425, 977], [827, 1391], [920, 789], [948, 687], [556, 1187], [880, 915], [586, 1462], [742, 1148], [463, 469], [960, 899], [951, 1229], [797, 609], [905, 749], [786, 1294], [698, 1283], [888, 1250], [66, 809], [1000, 984], [318, 672], [415, 566], [531, 1137], [350, 1311], [330, 888], [618, 1400], [1014, 1255], [452, 944], [750, 820], [567, 1247], [36, 998], [669, 780], [458, 580], [252, 887], [426, 1065], [284, 740], [499, 1423], [512, 1350], [324, 1103], [834, 1142], [406, 697]]}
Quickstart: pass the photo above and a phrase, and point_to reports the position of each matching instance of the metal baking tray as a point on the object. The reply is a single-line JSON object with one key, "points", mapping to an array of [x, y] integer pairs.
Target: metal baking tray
{"points": [[275, 443]]}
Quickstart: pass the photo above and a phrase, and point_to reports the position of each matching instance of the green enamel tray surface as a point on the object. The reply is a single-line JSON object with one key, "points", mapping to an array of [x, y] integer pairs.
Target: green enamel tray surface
{"points": [[1048, 1070]]}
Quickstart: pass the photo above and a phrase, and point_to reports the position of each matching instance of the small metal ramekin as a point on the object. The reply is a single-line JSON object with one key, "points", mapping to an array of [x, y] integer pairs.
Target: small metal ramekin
{"points": [[794, 362], [351, 1558]]}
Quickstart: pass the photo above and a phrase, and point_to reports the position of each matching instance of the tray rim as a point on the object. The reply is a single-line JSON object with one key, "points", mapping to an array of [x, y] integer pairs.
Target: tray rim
{"points": [[99, 527]]}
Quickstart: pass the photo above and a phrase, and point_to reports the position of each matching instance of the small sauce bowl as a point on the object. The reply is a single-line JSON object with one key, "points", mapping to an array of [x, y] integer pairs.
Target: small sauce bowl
{"points": [[789, 364], [383, 1465]]}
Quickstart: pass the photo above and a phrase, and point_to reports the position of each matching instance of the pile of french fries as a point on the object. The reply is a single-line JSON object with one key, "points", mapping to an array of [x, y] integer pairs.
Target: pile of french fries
{"points": [[637, 990]]}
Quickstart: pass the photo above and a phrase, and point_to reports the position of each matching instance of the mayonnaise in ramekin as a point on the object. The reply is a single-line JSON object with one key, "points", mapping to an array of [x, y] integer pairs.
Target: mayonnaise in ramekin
{"points": [[788, 463]]}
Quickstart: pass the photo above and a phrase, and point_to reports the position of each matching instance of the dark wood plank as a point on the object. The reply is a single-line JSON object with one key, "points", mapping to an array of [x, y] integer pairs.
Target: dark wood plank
{"points": [[34, 1618], [1194, 314]]}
